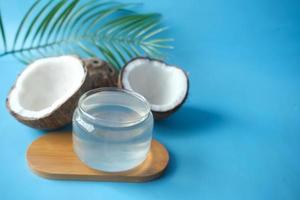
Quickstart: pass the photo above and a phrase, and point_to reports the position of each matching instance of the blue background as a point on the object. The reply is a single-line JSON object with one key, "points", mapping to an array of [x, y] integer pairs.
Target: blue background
{"points": [[237, 136]]}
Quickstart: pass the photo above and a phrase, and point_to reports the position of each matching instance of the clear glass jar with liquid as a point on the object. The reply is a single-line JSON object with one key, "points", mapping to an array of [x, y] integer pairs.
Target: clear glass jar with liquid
{"points": [[112, 129]]}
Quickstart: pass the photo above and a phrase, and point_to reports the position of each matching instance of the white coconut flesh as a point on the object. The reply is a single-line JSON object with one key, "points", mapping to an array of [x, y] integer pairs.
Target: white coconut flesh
{"points": [[45, 85], [165, 87]]}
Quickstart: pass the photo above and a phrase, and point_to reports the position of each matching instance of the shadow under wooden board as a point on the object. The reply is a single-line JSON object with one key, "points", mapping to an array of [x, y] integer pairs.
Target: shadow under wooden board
{"points": [[51, 156]]}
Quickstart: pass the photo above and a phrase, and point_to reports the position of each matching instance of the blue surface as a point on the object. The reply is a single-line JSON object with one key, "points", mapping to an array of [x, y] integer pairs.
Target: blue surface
{"points": [[237, 136]]}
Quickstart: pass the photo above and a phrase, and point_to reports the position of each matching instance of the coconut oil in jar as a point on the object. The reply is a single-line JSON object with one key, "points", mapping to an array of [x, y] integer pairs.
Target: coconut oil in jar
{"points": [[112, 129]]}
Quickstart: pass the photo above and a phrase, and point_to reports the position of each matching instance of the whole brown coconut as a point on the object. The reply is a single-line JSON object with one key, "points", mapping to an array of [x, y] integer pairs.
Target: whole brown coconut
{"points": [[46, 93], [164, 86]]}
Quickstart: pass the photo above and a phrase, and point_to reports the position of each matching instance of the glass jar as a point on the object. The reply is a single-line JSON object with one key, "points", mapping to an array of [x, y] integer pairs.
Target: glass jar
{"points": [[112, 129]]}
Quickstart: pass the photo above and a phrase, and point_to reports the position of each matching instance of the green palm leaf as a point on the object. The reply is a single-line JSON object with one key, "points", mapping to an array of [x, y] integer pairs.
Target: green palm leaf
{"points": [[90, 29], [60, 21], [2, 33]]}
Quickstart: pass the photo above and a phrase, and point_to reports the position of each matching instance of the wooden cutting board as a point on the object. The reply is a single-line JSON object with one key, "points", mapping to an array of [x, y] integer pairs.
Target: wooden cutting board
{"points": [[51, 156]]}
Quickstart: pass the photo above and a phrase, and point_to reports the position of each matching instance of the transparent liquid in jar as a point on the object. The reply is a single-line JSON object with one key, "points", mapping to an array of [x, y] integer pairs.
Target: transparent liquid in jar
{"points": [[110, 148]]}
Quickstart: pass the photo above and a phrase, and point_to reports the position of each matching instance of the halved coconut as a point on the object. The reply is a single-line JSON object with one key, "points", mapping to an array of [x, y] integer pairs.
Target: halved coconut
{"points": [[46, 93], [164, 86]]}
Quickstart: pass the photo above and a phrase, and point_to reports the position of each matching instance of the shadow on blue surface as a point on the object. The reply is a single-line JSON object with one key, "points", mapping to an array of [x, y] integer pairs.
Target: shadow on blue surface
{"points": [[42, 132], [66, 128], [186, 121], [171, 168], [189, 119]]}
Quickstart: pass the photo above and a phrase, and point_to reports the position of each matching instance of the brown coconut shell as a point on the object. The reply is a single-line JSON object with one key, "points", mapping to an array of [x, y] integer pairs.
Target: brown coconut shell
{"points": [[101, 74], [97, 74], [157, 115]]}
